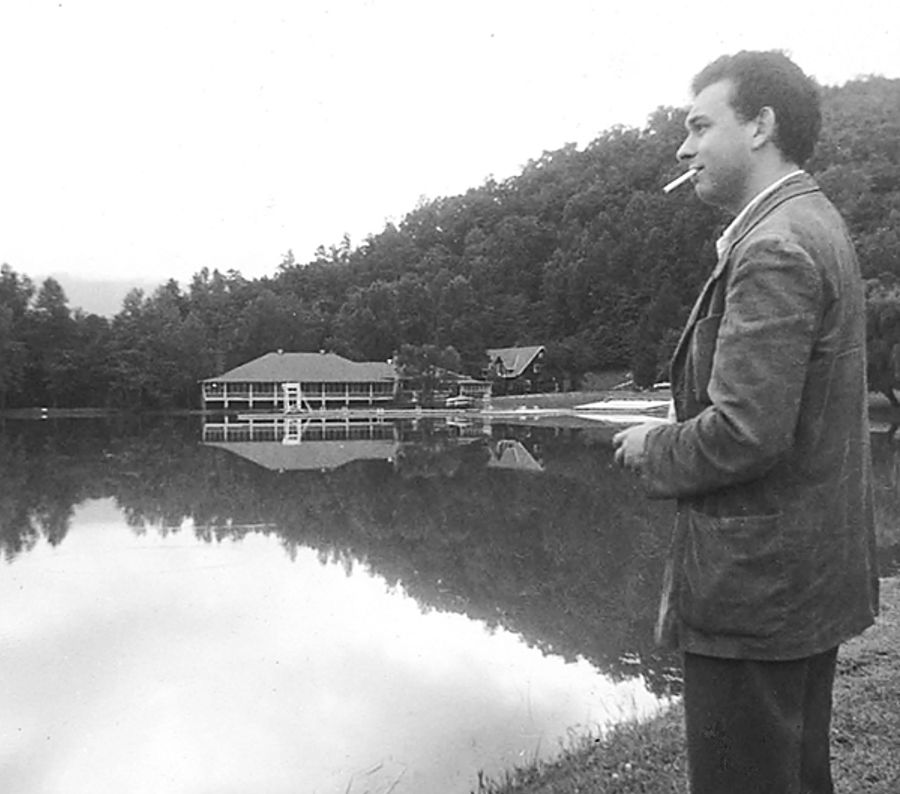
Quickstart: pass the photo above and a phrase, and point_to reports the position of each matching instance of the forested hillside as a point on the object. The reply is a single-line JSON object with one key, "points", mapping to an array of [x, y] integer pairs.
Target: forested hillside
{"points": [[581, 252]]}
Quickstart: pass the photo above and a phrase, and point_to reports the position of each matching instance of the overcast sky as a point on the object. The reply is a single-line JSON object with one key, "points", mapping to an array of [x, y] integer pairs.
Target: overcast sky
{"points": [[151, 139]]}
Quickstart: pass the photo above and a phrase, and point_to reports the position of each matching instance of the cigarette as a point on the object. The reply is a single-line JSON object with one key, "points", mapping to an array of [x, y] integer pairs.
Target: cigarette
{"points": [[680, 180]]}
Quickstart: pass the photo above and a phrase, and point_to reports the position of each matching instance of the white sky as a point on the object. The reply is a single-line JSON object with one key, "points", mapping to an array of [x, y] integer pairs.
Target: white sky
{"points": [[151, 139]]}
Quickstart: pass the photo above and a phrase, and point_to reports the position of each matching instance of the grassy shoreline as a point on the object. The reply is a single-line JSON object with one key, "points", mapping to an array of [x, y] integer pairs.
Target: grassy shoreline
{"points": [[649, 756]]}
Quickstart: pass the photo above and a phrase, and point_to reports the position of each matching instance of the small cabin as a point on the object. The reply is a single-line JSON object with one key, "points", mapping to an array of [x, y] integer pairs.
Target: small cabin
{"points": [[515, 370]]}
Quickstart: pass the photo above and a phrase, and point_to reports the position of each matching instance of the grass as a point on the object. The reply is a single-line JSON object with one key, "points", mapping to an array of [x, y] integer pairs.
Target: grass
{"points": [[649, 756], [866, 729], [633, 757]]}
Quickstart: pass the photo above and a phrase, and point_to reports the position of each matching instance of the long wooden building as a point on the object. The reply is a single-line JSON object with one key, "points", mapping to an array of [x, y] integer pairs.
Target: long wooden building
{"points": [[288, 381]]}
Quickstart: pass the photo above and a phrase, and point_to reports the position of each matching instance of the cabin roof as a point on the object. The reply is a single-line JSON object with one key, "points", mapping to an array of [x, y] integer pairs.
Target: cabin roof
{"points": [[307, 368], [515, 360]]}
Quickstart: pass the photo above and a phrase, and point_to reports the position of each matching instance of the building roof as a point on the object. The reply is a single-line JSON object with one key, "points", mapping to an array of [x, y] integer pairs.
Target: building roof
{"points": [[515, 360], [307, 368]]}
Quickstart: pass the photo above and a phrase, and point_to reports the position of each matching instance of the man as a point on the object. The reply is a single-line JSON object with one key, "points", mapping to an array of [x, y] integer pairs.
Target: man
{"points": [[773, 559]]}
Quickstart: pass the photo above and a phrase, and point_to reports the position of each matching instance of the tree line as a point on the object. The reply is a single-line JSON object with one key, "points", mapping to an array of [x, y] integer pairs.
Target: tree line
{"points": [[580, 252]]}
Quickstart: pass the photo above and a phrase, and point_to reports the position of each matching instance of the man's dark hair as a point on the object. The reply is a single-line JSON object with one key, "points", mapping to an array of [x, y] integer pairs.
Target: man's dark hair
{"points": [[771, 79]]}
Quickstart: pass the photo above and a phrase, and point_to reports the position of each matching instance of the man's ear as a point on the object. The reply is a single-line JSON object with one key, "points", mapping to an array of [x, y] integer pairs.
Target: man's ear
{"points": [[766, 128]]}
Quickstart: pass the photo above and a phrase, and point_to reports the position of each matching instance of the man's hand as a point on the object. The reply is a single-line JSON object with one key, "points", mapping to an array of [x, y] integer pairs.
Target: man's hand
{"points": [[629, 445]]}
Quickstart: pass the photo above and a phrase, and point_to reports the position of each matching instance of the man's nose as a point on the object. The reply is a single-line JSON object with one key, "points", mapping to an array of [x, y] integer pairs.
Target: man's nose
{"points": [[685, 151]]}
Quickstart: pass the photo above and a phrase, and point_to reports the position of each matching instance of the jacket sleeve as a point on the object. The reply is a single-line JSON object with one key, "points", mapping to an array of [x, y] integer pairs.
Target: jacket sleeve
{"points": [[773, 309]]}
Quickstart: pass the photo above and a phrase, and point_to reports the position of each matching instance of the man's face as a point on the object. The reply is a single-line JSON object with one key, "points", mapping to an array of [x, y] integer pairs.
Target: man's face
{"points": [[719, 142]]}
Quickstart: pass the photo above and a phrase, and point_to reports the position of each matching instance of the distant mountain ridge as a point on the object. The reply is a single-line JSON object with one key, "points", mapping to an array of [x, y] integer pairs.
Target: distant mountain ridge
{"points": [[98, 295]]}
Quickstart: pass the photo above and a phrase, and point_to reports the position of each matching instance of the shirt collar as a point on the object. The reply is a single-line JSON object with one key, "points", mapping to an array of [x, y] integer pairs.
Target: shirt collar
{"points": [[725, 240]]}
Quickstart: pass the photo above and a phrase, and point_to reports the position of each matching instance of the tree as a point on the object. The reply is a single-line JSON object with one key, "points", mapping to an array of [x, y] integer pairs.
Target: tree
{"points": [[425, 368], [49, 337], [883, 336], [273, 321], [90, 375], [129, 365], [368, 324], [15, 294]]}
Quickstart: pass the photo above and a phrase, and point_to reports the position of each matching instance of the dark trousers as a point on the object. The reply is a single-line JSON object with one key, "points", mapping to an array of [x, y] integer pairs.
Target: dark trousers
{"points": [[759, 727]]}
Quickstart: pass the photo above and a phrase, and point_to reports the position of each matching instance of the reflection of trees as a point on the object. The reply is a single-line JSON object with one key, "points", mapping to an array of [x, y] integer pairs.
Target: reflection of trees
{"points": [[43, 475], [439, 456], [569, 557], [17, 528]]}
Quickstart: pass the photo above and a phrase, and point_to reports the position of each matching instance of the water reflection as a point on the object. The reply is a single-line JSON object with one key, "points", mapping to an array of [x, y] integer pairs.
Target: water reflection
{"points": [[525, 534], [159, 662]]}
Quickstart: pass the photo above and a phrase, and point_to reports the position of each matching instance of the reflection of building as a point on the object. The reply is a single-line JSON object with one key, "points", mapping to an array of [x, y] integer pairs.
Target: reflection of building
{"points": [[286, 443], [301, 380], [515, 369], [508, 453], [294, 444]]}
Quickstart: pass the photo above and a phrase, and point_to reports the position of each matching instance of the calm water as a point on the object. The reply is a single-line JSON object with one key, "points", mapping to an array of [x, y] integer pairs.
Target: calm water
{"points": [[343, 608]]}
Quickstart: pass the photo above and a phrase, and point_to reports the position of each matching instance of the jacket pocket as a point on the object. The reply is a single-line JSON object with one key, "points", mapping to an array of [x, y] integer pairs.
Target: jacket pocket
{"points": [[735, 575], [703, 350]]}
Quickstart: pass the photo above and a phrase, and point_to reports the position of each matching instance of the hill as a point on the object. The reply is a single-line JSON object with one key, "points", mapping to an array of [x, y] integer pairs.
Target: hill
{"points": [[580, 252]]}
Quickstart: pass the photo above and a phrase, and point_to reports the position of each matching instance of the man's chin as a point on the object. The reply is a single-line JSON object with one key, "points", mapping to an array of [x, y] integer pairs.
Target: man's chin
{"points": [[703, 193], [707, 193]]}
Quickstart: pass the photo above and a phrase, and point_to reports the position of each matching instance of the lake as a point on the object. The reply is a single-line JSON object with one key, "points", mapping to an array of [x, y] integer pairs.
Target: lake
{"points": [[352, 606]]}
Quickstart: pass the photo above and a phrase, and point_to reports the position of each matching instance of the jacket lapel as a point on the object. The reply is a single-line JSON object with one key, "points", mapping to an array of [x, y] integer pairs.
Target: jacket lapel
{"points": [[701, 301], [796, 186]]}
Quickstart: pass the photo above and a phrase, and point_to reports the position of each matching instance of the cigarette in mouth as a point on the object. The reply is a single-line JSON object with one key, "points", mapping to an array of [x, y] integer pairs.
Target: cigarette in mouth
{"points": [[680, 180]]}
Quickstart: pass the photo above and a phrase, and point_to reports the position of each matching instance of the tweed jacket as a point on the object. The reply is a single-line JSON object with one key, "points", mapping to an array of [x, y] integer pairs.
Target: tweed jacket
{"points": [[773, 554]]}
